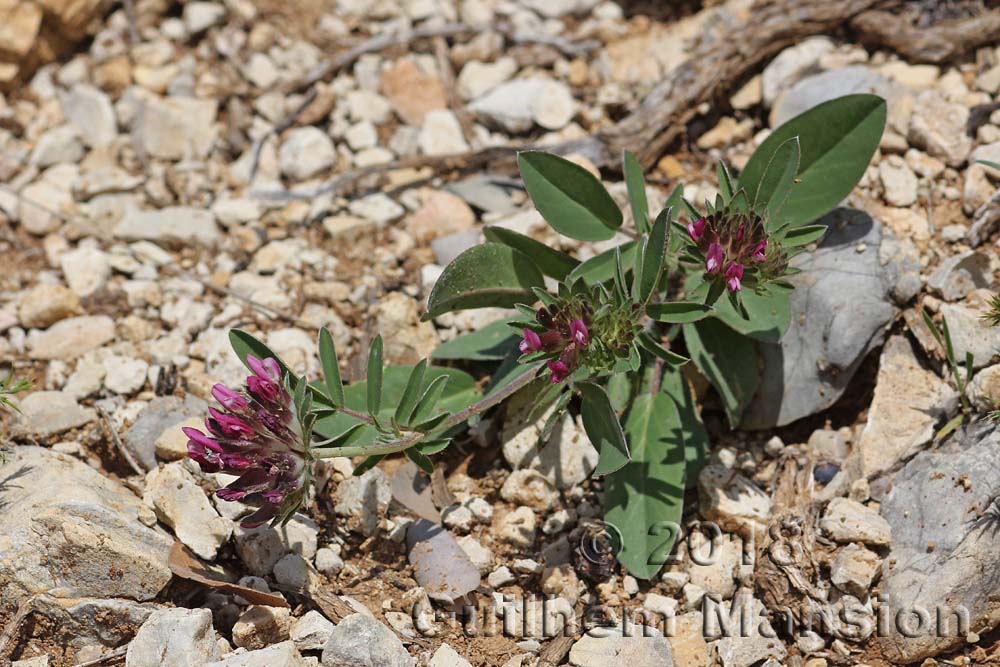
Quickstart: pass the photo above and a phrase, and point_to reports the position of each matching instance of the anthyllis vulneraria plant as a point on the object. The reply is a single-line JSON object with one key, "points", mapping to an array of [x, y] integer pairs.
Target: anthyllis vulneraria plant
{"points": [[603, 337]]}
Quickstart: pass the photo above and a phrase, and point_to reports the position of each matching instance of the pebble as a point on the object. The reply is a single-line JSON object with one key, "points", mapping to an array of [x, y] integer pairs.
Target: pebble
{"points": [[527, 487], [305, 152], [260, 626], [516, 105], [200, 16], [47, 413], [47, 303], [174, 128], [854, 569], [60, 144], [124, 375], [478, 78], [446, 656], [329, 562], [899, 181], [938, 126], [441, 134], [71, 338], [311, 631], [412, 92], [501, 577], [517, 527], [732, 500], [90, 111], [171, 226], [181, 504], [280, 655], [361, 640], [849, 521], [178, 637]]}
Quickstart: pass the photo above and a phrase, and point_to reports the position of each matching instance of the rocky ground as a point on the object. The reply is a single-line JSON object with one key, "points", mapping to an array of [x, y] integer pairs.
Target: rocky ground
{"points": [[151, 199]]}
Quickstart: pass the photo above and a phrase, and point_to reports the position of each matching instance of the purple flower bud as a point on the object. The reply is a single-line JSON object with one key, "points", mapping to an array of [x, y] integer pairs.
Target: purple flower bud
{"points": [[734, 276], [697, 228], [531, 343], [578, 332], [228, 398], [559, 371], [257, 437], [758, 252], [714, 258]]}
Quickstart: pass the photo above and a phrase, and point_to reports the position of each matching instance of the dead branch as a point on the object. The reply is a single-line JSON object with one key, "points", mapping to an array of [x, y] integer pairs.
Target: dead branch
{"points": [[929, 44], [716, 68], [328, 69]]}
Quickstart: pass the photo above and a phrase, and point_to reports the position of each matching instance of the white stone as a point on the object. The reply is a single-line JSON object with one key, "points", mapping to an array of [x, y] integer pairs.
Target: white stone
{"points": [[847, 520], [311, 632], [177, 637], [181, 504], [45, 413], [173, 225], [305, 152], [899, 181], [60, 144], [174, 128], [477, 77], [446, 656], [124, 375], [515, 105], [90, 110], [200, 16], [441, 134], [86, 268]]}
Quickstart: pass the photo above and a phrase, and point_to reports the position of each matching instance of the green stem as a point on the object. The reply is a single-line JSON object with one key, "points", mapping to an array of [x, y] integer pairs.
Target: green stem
{"points": [[415, 437]]}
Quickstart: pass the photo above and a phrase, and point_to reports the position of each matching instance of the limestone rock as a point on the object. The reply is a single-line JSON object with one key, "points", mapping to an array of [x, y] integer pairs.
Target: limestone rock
{"points": [[945, 545], [70, 338], [46, 413], [45, 304], [910, 402], [181, 504], [177, 637], [361, 640], [849, 521], [732, 501], [173, 128], [938, 126], [74, 531]]}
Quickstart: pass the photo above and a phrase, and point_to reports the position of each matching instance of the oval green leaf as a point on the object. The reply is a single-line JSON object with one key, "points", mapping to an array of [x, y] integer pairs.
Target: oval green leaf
{"points": [[837, 140], [643, 500], [603, 428], [491, 343], [569, 197], [490, 274], [552, 262], [678, 312]]}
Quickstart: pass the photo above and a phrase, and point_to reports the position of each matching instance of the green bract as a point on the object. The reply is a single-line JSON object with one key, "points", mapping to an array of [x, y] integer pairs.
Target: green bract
{"points": [[606, 334]]}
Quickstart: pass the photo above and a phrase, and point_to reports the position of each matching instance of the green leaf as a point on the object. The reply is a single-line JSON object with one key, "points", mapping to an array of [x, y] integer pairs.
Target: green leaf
{"points": [[837, 141], [331, 369], [603, 428], [421, 460], [431, 447], [989, 163], [778, 179], [654, 251], [725, 181], [459, 393], [644, 499], [696, 442], [654, 348], [728, 360], [601, 268], [414, 385], [491, 274], [636, 186], [244, 343], [800, 236], [426, 407], [491, 343], [766, 311], [678, 312], [569, 197], [375, 376], [552, 262]]}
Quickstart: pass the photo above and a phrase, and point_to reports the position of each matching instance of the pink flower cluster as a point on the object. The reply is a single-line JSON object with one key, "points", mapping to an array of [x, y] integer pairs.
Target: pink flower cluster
{"points": [[256, 437], [728, 256], [570, 343]]}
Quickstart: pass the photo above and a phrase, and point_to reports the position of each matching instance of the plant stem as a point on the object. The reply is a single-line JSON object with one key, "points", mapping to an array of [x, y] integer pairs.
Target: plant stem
{"points": [[414, 437]]}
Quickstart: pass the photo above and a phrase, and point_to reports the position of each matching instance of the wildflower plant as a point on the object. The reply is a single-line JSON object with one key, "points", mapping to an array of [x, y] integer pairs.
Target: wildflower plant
{"points": [[602, 337]]}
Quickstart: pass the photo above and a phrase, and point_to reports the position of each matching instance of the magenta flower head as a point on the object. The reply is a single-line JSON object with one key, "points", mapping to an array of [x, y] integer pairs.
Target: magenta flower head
{"points": [[559, 370], [758, 252], [578, 332], [258, 437], [714, 258], [532, 342], [697, 228], [734, 277]]}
